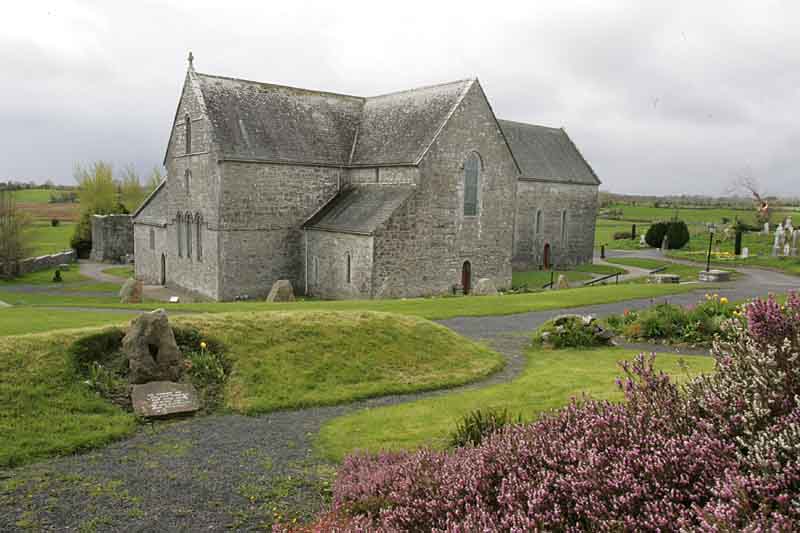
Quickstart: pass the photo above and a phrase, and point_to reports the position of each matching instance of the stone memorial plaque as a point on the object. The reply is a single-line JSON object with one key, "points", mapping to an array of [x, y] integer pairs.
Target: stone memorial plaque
{"points": [[163, 398]]}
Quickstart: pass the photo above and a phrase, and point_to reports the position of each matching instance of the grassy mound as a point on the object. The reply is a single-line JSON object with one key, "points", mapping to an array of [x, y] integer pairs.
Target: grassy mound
{"points": [[549, 380], [279, 360]]}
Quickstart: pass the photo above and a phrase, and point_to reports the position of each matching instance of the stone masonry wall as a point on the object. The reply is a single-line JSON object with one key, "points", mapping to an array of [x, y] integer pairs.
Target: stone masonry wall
{"points": [[263, 208], [148, 259], [35, 264], [197, 196], [112, 237], [327, 265], [423, 247], [383, 175], [580, 204]]}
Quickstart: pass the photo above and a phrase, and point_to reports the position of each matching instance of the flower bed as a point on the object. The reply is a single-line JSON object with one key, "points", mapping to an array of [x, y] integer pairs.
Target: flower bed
{"points": [[720, 453]]}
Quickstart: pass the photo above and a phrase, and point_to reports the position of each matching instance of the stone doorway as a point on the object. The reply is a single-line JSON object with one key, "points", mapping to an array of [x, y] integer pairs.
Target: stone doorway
{"points": [[163, 269], [466, 277], [546, 257]]}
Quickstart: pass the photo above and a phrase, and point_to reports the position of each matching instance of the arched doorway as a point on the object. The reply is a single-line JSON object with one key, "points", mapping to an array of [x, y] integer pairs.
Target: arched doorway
{"points": [[466, 277], [546, 257], [163, 269]]}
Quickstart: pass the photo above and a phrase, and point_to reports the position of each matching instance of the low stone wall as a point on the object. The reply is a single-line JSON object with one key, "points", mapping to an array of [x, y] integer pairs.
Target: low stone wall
{"points": [[34, 264], [112, 238]]}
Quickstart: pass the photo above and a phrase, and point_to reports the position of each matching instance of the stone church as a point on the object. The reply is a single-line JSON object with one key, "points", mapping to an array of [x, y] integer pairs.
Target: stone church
{"points": [[412, 193]]}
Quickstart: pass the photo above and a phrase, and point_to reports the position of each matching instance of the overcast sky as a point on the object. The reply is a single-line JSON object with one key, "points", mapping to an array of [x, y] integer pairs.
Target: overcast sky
{"points": [[661, 97]]}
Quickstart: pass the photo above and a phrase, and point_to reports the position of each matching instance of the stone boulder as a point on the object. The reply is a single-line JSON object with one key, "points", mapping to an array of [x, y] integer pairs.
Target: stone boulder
{"points": [[152, 352], [562, 282], [281, 291], [484, 287], [131, 292]]}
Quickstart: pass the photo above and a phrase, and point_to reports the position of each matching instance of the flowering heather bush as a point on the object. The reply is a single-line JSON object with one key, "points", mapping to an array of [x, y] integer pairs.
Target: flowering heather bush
{"points": [[722, 454]]}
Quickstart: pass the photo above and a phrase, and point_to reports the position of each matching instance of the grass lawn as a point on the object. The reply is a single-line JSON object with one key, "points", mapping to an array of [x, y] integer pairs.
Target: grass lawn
{"points": [[281, 360], [119, 271], [33, 196], [44, 239], [549, 380], [22, 320], [32, 299], [45, 277], [536, 279], [686, 272]]}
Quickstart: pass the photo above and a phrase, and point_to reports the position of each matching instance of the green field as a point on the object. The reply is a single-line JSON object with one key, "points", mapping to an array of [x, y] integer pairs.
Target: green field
{"points": [[44, 239], [548, 382], [280, 360], [33, 196]]}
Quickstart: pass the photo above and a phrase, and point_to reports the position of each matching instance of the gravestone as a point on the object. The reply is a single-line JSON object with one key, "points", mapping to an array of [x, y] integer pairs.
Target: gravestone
{"points": [[745, 253], [281, 291], [164, 398], [795, 234], [766, 228], [778, 244], [664, 244], [562, 282], [786, 249], [714, 276], [153, 354], [642, 241], [131, 292], [484, 287]]}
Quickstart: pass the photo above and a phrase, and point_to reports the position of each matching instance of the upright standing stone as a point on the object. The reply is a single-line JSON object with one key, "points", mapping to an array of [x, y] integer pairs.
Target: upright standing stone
{"points": [[281, 291], [153, 354], [563, 282], [131, 292], [484, 287]]}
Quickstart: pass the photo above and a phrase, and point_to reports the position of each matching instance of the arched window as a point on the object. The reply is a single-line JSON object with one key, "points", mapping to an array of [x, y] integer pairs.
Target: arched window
{"points": [[472, 170], [188, 235], [179, 229], [187, 178], [539, 222], [152, 239], [564, 225], [316, 270], [188, 126], [197, 222], [348, 267]]}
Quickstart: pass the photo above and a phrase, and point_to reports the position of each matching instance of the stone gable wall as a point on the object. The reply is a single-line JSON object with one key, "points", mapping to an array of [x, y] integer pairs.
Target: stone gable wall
{"points": [[148, 261], [201, 197], [580, 203], [263, 208], [422, 249], [112, 238], [383, 175], [329, 251]]}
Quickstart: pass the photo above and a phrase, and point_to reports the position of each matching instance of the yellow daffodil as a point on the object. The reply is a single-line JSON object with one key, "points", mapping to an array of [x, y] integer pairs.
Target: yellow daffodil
{"points": [[723, 300], [203, 344]]}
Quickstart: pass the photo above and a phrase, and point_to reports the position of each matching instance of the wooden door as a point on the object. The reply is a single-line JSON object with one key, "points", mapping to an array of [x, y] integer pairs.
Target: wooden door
{"points": [[466, 277], [546, 257]]}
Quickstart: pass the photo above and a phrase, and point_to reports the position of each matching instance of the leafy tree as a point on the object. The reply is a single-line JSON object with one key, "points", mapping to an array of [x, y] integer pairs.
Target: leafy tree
{"points": [[156, 177], [13, 224], [96, 188], [131, 192]]}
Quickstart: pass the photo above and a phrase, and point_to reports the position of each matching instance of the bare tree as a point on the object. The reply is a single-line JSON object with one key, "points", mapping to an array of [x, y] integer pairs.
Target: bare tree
{"points": [[745, 181], [13, 224]]}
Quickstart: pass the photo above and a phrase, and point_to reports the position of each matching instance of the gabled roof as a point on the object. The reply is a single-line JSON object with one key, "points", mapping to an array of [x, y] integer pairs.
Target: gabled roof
{"points": [[547, 154], [361, 209], [257, 121], [149, 198], [399, 127]]}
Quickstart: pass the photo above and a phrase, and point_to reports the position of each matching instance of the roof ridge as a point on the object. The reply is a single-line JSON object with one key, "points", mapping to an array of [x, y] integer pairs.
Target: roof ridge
{"points": [[422, 88], [516, 122], [243, 80]]}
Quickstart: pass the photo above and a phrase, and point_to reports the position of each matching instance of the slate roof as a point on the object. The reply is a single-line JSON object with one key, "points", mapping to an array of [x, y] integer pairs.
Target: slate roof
{"points": [[262, 121], [154, 215], [547, 154], [361, 209]]}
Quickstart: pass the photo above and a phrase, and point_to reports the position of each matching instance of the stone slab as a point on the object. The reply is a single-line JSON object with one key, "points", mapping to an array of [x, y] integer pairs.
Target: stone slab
{"points": [[164, 398], [665, 278], [714, 276]]}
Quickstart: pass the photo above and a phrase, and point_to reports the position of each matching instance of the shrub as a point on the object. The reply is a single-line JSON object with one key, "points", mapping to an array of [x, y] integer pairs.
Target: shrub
{"points": [[55, 222], [477, 425], [718, 454], [81, 240], [571, 331], [622, 235], [677, 234], [676, 231]]}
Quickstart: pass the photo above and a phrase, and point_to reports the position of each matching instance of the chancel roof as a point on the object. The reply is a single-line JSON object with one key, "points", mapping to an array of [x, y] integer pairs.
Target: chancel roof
{"points": [[361, 209], [547, 154]]}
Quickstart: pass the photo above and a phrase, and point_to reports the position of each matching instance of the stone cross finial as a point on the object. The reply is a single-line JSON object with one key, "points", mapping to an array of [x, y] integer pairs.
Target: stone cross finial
{"points": [[191, 59]]}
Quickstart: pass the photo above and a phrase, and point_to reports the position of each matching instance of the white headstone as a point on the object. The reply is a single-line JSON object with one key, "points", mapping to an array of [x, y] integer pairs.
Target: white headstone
{"points": [[766, 228], [642, 241], [745, 253], [787, 249], [788, 224]]}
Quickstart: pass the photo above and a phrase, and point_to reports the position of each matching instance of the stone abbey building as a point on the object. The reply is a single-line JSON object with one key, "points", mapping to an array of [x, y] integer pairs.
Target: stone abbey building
{"points": [[405, 194]]}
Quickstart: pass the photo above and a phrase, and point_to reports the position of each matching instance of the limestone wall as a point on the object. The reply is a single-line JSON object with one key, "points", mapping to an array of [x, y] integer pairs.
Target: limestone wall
{"points": [[400, 175], [422, 249], [34, 264], [579, 202], [328, 254], [112, 237]]}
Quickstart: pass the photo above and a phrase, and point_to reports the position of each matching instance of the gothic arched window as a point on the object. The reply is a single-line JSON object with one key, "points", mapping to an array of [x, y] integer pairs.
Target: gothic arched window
{"points": [[188, 235], [179, 229], [348, 267], [188, 127], [187, 178], [472, 171], [564, 225], [539, 222], [197, 221]]}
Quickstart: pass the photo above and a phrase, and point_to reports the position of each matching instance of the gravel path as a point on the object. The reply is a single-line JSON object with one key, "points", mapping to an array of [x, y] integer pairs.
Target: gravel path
{"points": [[236, 472]]}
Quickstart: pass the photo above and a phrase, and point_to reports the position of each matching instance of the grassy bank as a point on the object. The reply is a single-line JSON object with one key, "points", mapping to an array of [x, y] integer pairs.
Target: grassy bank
{"points": [[280, 360], [549, 380]]}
